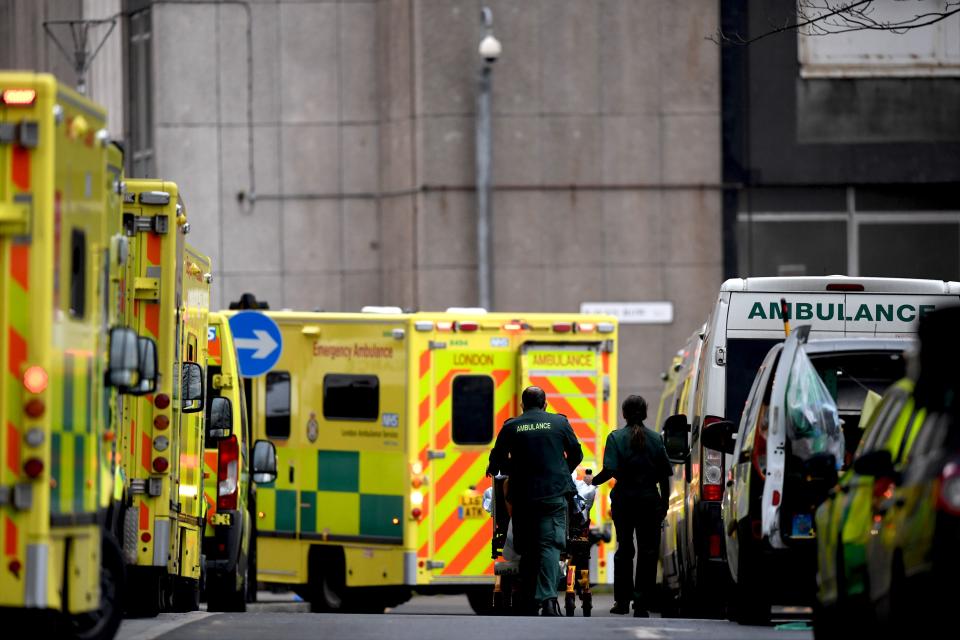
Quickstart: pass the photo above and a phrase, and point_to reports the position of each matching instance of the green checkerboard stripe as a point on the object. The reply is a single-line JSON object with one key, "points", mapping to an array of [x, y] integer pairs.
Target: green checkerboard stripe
{"points": [[330, 499], [338, 471]]}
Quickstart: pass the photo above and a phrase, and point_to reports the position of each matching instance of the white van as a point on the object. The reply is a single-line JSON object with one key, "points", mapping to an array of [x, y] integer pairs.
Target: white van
{"points": [[746, 322]]}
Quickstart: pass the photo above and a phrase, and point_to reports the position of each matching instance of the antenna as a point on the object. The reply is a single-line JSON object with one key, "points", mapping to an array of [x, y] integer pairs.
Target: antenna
{"points": [[79, 31]]}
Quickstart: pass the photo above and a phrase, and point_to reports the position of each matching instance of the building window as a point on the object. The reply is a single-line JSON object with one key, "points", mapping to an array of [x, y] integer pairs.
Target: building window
{"points": [[140, 155], [278, 404], [78, 273], [472, 399], [932, 50], [351, 397]]}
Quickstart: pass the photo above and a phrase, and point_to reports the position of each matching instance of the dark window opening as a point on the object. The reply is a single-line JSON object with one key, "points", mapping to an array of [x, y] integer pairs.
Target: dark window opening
{"points": [[351, 397], [78, 273], [472, 420], [278, 404], [744, 357]]}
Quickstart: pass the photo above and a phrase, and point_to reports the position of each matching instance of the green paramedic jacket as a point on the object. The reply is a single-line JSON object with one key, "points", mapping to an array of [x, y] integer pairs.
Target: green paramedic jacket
{"points": [[539, 451]]}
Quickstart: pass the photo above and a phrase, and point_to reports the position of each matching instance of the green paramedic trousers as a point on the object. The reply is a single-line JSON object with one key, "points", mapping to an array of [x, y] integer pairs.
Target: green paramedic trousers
{"points": [[540, 534]]}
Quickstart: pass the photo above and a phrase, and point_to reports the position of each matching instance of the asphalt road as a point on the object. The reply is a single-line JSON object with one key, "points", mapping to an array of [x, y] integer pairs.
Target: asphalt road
{"points": [[435, 618]]}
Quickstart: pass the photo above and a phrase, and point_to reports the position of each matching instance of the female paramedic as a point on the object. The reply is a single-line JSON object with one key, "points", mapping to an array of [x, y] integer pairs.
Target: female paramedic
{"points": [[635, 456]]}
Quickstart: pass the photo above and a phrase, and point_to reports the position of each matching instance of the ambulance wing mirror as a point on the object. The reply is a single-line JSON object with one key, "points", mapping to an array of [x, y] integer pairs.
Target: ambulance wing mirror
{"points": [[675, 430], [221, 418], [191, 388], [124, 364], [264, 462], [877, 463], [147, 349], [719, 436]]}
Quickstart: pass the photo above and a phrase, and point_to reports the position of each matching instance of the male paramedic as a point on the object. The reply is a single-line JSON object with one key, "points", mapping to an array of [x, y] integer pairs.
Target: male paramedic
{"points": [[539, 451]]}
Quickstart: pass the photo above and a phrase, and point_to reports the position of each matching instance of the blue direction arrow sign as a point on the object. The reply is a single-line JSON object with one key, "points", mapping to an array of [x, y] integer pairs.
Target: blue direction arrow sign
{"points": [[258, 342]]}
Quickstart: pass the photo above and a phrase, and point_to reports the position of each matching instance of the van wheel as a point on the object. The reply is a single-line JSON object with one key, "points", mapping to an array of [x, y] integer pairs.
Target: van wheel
{"points": [[186, 594], [145, 597], [481, 601], [751, 605], [325, 593], [103, 623], [224, 595]]}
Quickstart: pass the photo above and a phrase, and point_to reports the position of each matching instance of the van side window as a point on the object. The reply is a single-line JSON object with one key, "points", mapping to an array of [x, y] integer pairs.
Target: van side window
{"points": [[351, 397], [472, 408], [278, 404], [78, 273]]}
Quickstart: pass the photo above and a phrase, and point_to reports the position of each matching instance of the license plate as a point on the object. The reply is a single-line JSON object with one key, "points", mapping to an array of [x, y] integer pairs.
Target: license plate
{"points": [[220, 519], [802, 526]]}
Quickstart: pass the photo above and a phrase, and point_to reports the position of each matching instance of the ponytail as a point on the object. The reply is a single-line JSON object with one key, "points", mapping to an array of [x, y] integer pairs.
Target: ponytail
{"points": [[635, 412]]}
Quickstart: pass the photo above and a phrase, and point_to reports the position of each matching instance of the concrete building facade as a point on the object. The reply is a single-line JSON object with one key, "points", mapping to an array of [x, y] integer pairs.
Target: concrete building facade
{"points": [[326, 149]]}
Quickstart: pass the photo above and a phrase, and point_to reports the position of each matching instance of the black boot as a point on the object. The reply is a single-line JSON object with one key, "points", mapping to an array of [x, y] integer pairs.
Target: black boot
{"points": [[550, 608], [639, 611], [620, 608]]}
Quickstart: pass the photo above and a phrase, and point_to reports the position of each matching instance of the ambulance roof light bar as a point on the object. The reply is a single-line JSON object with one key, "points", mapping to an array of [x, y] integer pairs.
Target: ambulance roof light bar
{"points": [[471, 311], [19, 97], [382, 310]]}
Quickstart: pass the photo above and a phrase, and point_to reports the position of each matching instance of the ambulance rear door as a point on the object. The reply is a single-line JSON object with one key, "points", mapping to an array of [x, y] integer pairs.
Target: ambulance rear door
{"points": [[571, 374], [471, 396]]}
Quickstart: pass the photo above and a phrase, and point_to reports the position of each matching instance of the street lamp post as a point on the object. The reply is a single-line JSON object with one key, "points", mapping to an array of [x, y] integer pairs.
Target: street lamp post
{"points": [[489, 50]]}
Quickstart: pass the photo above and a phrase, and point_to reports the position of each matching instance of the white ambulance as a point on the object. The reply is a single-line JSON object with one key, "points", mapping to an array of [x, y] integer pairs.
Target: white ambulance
{"points": [[747, 320]]}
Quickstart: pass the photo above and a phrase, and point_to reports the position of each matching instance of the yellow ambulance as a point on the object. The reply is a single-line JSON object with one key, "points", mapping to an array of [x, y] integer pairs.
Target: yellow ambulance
{"points": [[64, 357], [383, 422], [162, 446]]}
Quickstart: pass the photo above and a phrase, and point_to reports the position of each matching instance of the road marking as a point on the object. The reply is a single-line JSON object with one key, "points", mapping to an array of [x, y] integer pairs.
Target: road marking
{"points": [[159, 628]]}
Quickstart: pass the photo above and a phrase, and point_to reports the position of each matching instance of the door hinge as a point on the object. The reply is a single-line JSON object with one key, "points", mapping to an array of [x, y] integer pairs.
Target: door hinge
{"points": [[222, 381], [146, 288], [721, 356], [133, 223]]}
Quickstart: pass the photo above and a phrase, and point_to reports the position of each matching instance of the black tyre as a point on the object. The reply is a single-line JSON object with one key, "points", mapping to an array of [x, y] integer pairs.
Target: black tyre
{"points": [[225, 595], [144, 597], [751, 604], [103, 623], [481, 601], [186, 594]]}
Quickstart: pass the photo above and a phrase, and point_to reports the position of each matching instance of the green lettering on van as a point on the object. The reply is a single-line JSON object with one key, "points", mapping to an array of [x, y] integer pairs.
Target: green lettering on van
{"points": [[804, 311], [756, 312], [863, 313], [904, 308]]}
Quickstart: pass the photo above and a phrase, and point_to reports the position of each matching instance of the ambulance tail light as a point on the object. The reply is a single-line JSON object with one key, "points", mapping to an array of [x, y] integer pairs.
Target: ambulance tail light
{"points": [[562, 327], [605, 327], [160, 464], [416, 513], [33, 467], [586, 327], [513, 327], [712, 469], [162, 401], [844, 286], [467, 326], [948, 494], [19, 97], [35, 379], [228, 473], [34, 408], [444, 326], [423, 325]]}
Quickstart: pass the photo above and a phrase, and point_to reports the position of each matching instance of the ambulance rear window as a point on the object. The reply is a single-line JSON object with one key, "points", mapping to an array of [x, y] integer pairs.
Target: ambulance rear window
{"points": [[278, 404], [472, 398], [351, 397], [78, 273]]}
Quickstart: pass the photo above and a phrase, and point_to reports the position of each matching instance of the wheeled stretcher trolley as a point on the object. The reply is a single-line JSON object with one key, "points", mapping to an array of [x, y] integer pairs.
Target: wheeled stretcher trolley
{"points": [[575, 559]]}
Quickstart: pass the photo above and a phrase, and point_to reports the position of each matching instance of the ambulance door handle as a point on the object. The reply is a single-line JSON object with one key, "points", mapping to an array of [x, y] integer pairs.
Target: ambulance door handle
{"points": [[433, 454], [291, 473]]}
